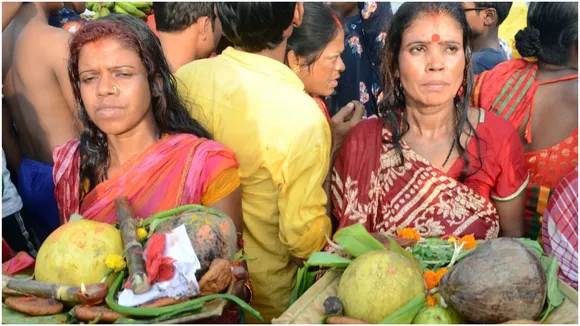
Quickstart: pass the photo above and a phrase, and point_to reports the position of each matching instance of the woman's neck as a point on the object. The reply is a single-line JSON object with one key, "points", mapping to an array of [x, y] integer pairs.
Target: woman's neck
{"points": [[123, 147], [430, 122]]}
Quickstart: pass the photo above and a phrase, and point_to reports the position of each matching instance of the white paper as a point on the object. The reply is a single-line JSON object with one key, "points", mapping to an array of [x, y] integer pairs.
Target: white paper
{"points": [[178, 246]]}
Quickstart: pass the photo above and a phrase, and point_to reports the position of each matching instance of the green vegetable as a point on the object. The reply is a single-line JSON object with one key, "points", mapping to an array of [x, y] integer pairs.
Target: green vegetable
{"points": [[195, 304], [356, 240], [555, 296], [436, 253], [175, 211], [407, 313]]}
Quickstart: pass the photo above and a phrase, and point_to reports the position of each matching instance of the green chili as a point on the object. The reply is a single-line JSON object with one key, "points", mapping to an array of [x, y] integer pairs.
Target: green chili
{"points": [[154, 312], [176, 211]]}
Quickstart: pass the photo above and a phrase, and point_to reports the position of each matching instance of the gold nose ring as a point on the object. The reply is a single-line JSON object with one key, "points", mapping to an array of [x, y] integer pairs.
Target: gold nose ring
{"points": [[115, 89]]}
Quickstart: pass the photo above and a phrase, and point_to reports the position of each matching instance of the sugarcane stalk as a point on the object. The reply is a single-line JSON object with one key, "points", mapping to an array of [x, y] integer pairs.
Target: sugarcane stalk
{"points": [[133, 248], [60, 292]]}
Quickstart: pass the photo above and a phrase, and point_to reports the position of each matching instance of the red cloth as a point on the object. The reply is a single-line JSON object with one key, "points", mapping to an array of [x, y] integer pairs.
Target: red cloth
{"points": [[7, 252], [508, 90], [159, 268], [20, 262], [560, 228], [369, 187]]}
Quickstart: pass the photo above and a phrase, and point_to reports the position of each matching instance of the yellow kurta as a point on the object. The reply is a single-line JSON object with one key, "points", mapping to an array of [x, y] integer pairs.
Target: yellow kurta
{"points": [[516, 20], [256, 106]]}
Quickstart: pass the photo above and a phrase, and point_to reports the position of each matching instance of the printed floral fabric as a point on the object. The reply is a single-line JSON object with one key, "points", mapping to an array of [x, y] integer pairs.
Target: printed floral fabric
{"points": [[364, 39]]}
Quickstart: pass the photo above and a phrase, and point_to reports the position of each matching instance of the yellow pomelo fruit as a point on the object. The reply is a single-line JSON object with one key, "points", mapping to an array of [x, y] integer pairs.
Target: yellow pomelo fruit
{"points": [[76, 252], [377, 284]]}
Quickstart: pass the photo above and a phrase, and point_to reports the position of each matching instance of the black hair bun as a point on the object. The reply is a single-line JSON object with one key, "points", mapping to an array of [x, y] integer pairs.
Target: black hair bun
{"points": [[528, 42]]}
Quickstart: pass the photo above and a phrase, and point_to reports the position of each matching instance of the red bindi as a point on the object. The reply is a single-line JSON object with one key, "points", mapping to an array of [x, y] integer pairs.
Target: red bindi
{"points": [[435, 38]]}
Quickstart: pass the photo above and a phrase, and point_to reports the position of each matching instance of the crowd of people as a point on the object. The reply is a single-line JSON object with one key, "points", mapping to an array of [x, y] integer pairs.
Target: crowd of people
{"points": [[296, 119]]}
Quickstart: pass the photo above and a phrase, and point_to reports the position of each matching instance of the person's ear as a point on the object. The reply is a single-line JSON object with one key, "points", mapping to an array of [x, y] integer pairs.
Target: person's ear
{"points": [[294, 62], [490, 18], [298, 14]]}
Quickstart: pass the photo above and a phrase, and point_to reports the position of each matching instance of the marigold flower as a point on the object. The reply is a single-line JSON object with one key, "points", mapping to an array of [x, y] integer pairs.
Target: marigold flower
{"points": [[141, 233], [439, 274], [431, 300], [430, 279], [115, 262], [468, 241], [409, 233]]}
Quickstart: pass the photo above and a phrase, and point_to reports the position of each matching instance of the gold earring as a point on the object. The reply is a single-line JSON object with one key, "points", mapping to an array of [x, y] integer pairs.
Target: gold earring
{"points": [[296, 70]]}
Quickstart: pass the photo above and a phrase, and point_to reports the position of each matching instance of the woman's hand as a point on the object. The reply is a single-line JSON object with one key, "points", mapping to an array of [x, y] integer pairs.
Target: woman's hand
{"points": [[344, 120], [241, 275]]}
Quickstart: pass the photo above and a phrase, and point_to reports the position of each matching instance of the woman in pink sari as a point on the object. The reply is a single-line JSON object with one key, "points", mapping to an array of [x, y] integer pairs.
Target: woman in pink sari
{"points": [[430, 162], [138, 141]]}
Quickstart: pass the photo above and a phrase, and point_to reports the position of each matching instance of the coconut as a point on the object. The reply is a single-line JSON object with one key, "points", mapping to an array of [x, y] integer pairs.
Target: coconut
{"points": [[500, 280], [75, 253], [377, 284]]}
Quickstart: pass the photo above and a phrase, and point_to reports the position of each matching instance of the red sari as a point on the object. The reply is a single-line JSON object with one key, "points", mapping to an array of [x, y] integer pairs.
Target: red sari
{"points": [[369, 186], [508, 90]]}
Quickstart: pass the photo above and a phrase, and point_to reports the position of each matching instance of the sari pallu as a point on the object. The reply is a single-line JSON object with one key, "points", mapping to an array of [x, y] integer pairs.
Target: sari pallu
{"points": [[372, 189], [174, 171]]}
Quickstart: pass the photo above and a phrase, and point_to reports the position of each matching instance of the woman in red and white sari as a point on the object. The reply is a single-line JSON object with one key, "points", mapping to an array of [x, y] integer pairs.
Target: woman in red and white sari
{"points": [[431, 162]]}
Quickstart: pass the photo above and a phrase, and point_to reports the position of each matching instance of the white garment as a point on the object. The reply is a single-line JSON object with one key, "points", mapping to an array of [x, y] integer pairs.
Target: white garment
{"points": [[11, 201]]}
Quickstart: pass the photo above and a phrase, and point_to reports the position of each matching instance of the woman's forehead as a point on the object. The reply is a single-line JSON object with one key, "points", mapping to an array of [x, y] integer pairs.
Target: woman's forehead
{"points": [[425, 26]]}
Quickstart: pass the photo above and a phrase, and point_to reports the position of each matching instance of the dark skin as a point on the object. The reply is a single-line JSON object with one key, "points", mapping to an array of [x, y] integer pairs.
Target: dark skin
{"points": [[555, 106], [484, 27]]}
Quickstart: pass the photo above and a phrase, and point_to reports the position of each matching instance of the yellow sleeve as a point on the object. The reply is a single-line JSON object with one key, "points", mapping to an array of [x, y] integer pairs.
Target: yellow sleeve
{"points": [[302, 200], [224, 184]]}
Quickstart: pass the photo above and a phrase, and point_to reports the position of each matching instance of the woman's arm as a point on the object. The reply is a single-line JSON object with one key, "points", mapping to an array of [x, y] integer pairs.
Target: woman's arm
{"points": [[231, 205], [511, 216]]}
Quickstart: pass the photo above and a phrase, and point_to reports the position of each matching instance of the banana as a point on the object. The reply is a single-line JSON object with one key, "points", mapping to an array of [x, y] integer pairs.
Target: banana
{"points": [[96, 7], [119, 10], [131, 9], [96, 16], [141, 5], [147, 11], [90, 5], [104, 12], [109, 5]]}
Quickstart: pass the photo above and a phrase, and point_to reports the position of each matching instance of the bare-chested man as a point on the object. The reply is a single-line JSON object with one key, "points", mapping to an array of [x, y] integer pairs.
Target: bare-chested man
{"points": [[39, 97]]}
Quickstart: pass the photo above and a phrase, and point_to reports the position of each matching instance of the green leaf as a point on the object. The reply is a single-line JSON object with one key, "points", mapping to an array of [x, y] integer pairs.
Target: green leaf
{"points": [[75, 217], [356, 240], [10, 316], [394, 247], [300, 280], [555, 296], [326, 259], [407, 313], [154, 224], [533, 245]]}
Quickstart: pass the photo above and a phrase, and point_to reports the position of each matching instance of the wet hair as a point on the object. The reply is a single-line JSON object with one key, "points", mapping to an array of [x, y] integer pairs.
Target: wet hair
{"points": [[502, 9], [551, 33], [320, 26], [177, 16], [169, 111], [392, 106], [255, 26]]}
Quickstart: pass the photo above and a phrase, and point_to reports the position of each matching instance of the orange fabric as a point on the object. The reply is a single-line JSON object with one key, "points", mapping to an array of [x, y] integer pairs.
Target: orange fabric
{"points": [[322, 107], [224, 184]]}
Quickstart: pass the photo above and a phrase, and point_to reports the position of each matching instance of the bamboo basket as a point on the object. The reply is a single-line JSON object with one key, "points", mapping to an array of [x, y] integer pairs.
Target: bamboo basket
{"points": [[309, 308]]}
